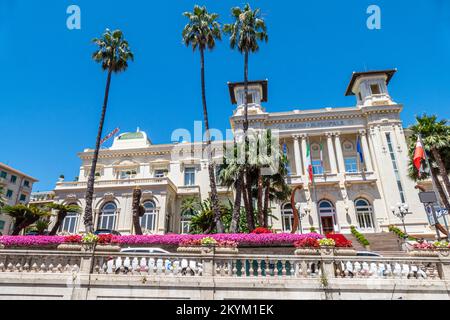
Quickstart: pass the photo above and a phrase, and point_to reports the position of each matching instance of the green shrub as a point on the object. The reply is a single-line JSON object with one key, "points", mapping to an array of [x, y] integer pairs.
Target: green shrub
{"points": [[359, 236]]}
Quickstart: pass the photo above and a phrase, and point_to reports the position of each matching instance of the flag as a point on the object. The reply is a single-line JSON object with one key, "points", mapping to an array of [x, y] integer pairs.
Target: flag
{"points": [[359, 150], [309, 163], [109, 136], [419, 156]]}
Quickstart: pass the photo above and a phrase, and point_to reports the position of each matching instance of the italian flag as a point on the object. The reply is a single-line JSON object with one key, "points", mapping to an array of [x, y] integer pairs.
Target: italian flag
{"points": [[309, 163], [419, 155]]}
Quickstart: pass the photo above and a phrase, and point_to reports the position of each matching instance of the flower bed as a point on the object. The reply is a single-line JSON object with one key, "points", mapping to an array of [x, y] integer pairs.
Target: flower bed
{"points": [[427, 249], [31, 241], [333, 244], [206, 245], [262, 240]]}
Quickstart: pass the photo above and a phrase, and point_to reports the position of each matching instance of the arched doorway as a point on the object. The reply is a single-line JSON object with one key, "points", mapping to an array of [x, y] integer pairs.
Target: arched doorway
{"points": [[327, 214]]}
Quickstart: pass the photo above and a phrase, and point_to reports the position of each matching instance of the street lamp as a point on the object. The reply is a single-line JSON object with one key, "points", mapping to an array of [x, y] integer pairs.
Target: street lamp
{"points": [[301, 214], [400, 211]]}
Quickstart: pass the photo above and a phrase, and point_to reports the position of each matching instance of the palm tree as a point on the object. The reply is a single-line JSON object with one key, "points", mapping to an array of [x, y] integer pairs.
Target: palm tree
{"points": [[63, 210], [138, 210], [245, 33], [200, 214], [113, 53], [201, 32], [231, 177], [436, 138], [24, 216]]}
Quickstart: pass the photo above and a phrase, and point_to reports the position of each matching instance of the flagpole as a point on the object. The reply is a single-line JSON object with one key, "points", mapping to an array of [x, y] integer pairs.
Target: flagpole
{"points": [[427, 159], [314, 187]]}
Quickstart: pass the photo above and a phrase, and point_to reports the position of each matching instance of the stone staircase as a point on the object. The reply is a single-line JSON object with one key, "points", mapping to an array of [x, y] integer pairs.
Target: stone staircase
{"points": [[385, 243]]}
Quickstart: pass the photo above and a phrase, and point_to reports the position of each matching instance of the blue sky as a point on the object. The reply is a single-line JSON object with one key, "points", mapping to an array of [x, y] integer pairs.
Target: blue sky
{"points": [[51, 91]]}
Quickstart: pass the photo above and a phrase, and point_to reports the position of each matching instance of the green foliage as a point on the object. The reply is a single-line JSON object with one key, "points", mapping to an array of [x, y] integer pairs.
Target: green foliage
{"points": [[113, 51], [435, 134], [359, 236], [247, 29], [202, 30], [401, 234], [24, 216]]}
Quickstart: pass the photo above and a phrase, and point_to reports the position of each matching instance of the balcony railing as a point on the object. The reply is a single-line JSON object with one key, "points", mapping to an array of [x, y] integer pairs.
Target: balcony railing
{"points": [[35, 274], [112, 183]]}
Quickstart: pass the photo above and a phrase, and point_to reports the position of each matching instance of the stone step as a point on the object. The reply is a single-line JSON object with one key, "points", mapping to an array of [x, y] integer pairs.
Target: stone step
{"points": [[384, 242]]}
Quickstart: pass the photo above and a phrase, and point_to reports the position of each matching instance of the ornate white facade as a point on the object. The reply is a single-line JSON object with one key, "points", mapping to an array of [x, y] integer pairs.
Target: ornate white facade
{"points": [[346, 192]]}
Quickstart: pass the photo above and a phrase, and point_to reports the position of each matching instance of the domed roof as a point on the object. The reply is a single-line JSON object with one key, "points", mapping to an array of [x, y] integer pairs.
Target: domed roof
{"points": [[131, 136], [131, 140]]}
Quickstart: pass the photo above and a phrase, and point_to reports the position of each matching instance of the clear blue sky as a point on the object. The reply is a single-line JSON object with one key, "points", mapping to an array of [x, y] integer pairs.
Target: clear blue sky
{"points": [[51, 91]]}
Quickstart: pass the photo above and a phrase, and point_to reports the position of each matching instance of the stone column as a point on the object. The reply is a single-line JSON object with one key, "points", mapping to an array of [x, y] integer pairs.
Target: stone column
{"points": [[366, 152], [297, 156], [331, 155], [304, 138], [339, 153]]}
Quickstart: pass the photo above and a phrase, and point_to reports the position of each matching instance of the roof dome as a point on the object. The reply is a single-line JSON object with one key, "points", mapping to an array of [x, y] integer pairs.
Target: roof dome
{"points": [[131, 140]]}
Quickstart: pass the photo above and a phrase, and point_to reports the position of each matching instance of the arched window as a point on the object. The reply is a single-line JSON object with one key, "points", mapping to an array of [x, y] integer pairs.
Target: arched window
{"points": [[327, 215], [148, 220], [69, 223], [185, 225], [287, 217], [107, 217], [364, 214]]}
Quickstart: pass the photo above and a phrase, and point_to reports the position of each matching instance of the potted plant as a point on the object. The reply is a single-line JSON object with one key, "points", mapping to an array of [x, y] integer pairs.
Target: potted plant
{"points": [[107, 243], [71, 243], [423, 249], [307, 246], [342, 246], [442, 247], [226, 247], [195, 246]]}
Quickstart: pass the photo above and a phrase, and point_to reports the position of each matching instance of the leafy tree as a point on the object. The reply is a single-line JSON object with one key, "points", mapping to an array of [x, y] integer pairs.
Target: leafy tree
{"points": [[436, 139], [200, 213], [201, 33], [113, 53], [24, 216], [62, 210]]}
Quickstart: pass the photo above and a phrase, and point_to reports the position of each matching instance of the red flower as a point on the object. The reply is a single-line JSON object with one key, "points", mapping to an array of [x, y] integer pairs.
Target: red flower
{"points": [[73, 239], [340, 240], [261, 230], [307, 243]]}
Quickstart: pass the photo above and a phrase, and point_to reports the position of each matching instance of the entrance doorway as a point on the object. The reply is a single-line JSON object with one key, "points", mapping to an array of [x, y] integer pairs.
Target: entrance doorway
{"points": [[327, 224], [327, 215]]}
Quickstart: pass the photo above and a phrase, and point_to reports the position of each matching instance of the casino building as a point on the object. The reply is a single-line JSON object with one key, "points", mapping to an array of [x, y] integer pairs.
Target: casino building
{"points": [[347, 192]]}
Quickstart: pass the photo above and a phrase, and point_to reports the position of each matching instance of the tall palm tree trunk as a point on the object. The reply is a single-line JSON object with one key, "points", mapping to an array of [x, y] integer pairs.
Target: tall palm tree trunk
{"points": [[266, 203], [234, 228], [136, 205], [442, 170], [440, 190], [211, 167], [248, 177], [260, 199], [88, 223]]}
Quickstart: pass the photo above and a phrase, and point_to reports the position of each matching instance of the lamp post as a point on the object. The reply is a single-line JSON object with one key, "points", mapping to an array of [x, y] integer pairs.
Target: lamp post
{"points": [[301, 214], [400, 211]]}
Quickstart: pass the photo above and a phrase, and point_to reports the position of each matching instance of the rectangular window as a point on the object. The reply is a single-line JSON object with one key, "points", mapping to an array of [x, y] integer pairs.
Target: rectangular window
{"points": [[189, 176], [375, 88], [395, 166], [26, 183], [185, 226], [2, 225], [23, 198], [351, 165], [160, 173], [9, 194], [13, 179], [127, 174], [317, 167], [3, 174]]}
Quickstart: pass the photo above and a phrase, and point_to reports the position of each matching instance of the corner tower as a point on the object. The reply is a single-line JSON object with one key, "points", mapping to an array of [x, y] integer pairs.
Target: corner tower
{"points": [[371, 87], [257, 93]]}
